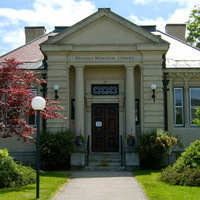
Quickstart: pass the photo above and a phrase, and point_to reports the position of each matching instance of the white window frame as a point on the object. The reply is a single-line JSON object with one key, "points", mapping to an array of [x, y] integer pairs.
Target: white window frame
{"points": [[191, 107], [182, 107]]}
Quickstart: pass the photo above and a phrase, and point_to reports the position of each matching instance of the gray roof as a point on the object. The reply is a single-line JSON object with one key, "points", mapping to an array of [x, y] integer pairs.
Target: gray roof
{"points": [[180, 54]]}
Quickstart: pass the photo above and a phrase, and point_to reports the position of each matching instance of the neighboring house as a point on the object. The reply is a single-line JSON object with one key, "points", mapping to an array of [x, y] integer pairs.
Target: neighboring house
{"points": [[105, 66]]}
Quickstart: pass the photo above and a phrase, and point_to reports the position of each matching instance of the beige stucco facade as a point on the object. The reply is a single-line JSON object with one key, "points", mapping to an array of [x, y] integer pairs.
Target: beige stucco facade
{"points": [[186, 79], [105, 49]]}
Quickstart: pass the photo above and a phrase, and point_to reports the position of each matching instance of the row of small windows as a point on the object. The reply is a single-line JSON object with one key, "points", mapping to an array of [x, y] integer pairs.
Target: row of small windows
{"points": [[194, 101]]}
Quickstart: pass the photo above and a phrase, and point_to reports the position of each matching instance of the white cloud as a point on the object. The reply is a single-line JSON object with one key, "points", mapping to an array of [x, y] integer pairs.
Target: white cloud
{"points": [[45, 13], [145, 2], [159, 22], [180, 15], [11, 39], [51, 12], [11, 36]]}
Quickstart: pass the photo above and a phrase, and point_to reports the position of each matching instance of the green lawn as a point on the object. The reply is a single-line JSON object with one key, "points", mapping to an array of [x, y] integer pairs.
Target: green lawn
{"points": [[157, 190], [50, 183]]}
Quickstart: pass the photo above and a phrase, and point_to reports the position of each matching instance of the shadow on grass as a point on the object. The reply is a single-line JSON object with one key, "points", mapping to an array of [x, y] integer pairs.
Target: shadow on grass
{"points": [[143, 172], [18, 189], [55, 174], [32, 187]]}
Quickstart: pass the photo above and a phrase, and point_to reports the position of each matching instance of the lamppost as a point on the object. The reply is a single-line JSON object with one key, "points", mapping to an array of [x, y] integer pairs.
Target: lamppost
{"points": [[56, 88], [153, 87], [38, 103]]}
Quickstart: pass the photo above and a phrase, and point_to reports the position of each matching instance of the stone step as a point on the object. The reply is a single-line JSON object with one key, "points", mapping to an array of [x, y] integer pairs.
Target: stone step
{"points": [[104, 164], [114, 160], [104, 156], [104, 168]]}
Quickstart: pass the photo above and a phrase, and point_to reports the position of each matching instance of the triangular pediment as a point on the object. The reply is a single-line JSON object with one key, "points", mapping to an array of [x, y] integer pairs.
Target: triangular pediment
{"points": [[104, 27], [104, 31]]}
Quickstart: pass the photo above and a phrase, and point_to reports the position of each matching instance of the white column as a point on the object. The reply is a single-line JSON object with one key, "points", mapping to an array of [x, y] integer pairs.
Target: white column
{"points": [[130, 100], [67, 97], [79, 100]]}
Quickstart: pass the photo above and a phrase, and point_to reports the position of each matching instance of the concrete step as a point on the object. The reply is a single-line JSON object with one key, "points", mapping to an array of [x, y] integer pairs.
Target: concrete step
{"points": [[104, 168], [104, 156], [105, 162]]}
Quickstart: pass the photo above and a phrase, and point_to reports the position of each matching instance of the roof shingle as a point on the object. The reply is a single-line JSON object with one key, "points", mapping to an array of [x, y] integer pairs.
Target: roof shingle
{"points": [[29, 52]]}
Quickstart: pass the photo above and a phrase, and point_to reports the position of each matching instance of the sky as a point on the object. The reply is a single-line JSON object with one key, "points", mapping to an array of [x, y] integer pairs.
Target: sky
{"points": [[16, 14]]}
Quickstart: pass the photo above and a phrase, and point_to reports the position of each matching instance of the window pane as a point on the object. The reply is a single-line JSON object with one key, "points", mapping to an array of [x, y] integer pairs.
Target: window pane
{"points": [[137, 111], [31, 120], [178, 107], [195, 96], [73, 109], [178, 97], [179, 116]]}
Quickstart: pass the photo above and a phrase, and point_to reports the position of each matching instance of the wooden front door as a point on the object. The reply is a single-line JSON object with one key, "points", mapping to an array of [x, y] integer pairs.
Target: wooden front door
{"points": [[105, 127]]}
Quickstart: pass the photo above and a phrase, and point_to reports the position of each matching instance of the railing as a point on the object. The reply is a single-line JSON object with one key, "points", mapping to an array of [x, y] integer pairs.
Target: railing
{"points": [[121, 151], [88, 149]]}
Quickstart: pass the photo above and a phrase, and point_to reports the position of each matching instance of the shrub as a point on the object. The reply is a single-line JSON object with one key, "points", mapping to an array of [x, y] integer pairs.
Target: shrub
{"points": [[152, 146], [186, 170], [14, 174], [56, 148], [190, 158], [186, 177]]}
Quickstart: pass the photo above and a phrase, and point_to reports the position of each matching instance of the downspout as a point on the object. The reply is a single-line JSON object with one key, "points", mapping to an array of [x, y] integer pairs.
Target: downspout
{"points": [[165, 90], [44, 92]]}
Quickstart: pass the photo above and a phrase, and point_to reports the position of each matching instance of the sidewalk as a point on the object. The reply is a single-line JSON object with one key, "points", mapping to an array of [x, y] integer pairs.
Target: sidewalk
{"points": [[102, 185]]}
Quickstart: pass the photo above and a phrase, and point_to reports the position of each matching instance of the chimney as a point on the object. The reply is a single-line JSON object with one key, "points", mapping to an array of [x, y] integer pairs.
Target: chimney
{"points": [[33, 32], [176, 30]]}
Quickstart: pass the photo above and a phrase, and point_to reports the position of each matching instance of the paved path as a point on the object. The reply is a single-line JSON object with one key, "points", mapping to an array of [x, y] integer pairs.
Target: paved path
{"points": [[101, 185]]}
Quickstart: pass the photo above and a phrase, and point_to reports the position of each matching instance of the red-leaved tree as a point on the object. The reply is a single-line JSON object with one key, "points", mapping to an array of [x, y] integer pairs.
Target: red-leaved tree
{"points": [[15, 101]]}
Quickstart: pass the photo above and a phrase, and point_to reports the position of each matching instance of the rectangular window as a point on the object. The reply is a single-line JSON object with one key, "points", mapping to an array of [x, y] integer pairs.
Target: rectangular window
{"points": [[72, 108], [32, 119], [105, 89], [194, 102], [137, 111], [178, 107]]}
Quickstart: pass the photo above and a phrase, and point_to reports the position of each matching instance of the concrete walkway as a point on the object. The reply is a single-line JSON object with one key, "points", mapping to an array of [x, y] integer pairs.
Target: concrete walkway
{"points": [[101, 185]]}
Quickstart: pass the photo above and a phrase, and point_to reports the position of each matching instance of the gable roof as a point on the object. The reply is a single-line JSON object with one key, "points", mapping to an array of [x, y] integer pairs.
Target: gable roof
{"points": [[180, 54], [29, 53], [110, 15]]}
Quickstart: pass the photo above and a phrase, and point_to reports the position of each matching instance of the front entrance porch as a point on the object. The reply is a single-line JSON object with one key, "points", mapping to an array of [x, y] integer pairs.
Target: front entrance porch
{"points": [[107, 114]]}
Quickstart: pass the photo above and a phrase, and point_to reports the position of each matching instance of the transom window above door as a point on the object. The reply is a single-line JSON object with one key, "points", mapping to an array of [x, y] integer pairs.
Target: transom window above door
{"points": [[103, 89]]}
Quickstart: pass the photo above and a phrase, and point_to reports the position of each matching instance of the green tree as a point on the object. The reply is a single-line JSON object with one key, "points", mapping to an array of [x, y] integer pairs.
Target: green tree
{"points": [[197, 119], [15, 101], [193, 26]]}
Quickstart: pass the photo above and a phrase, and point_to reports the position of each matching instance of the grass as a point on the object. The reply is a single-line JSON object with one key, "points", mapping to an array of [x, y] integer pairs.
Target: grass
{"points": [[158, 190], [50, 183]]}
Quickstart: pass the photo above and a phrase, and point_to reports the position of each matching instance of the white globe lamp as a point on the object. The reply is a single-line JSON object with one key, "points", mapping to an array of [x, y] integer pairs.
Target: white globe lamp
{"points": [[38, 103]]}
